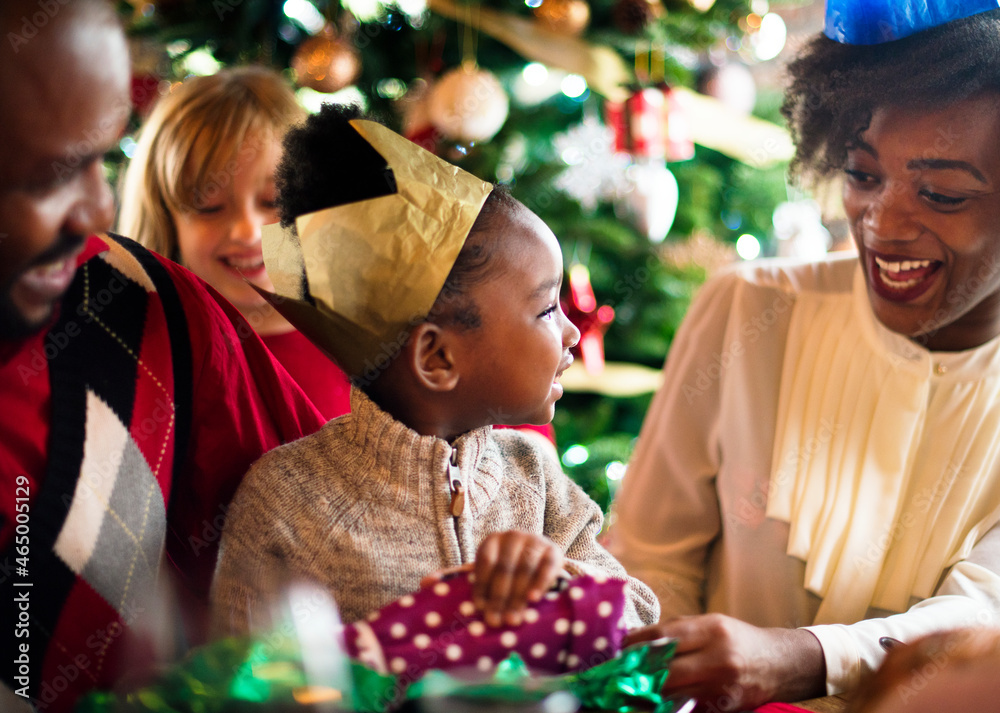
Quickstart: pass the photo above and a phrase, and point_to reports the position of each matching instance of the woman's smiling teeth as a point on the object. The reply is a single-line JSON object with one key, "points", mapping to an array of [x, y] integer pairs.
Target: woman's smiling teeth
{"points": [[894, 272], [901, 266]]}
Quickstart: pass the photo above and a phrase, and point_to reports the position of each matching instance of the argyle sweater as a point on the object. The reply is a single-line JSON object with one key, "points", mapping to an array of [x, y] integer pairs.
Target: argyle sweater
{"points": [[160, 397], [362, 507]]}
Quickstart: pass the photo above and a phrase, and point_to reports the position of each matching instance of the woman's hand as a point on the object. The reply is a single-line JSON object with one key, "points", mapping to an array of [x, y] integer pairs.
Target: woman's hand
{"points": [[729, 665], [513, 568]]}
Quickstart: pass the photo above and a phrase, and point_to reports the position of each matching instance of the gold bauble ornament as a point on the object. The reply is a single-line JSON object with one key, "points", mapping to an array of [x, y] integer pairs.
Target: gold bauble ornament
{"points": [[567, 17], [326, 62]]}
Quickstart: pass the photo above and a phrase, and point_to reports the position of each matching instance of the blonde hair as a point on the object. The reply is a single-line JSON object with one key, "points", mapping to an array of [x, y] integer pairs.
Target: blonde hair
{"points": [[188, 144]]}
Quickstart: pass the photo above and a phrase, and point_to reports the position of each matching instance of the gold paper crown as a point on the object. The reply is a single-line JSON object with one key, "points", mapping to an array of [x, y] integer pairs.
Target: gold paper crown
{"points": [[356, 278]]}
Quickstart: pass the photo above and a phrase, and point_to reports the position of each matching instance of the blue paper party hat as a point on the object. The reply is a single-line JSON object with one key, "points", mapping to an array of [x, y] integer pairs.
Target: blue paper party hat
{"points": [[870, 22]]}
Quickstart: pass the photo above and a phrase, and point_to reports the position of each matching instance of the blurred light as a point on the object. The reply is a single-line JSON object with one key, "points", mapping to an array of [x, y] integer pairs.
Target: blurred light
{"points": [[572, 155], [753, 20], [747, 246], [311, 100], [573, 85], [734, 43], [575, 455], [178, 47], [290, 33], [304, 13], [391, 88], [527, 94], [579, 280], [535, 74], [201, 63], [732, 219], [414, 9], [128, 146], [533, 3], [769, 42], [505, 173], [364, 10], [615, 470], [760, 7]]}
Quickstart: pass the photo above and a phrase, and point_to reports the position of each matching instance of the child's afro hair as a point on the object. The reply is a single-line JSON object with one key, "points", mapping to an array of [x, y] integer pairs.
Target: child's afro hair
{"points": [[326, 163]]}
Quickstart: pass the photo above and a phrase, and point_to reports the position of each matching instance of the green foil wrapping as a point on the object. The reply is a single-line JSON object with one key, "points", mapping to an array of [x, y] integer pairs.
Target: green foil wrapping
{"points": [[267, 676], [246, 676], [629, 682]]}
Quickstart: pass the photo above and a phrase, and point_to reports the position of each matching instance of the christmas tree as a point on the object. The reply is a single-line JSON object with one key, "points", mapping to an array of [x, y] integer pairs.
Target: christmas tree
{"points": [[586, 110]]}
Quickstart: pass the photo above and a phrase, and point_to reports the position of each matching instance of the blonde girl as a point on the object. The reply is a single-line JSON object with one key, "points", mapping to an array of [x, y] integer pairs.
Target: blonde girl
{"points": [[201, 185]]}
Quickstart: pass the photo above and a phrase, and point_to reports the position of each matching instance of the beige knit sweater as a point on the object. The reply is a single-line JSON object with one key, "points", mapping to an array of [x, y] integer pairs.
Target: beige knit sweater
{"points": [[361, 507]]}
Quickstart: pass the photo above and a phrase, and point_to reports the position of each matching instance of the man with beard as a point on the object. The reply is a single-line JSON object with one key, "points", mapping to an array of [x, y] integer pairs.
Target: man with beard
{"points": [[132, 399]]}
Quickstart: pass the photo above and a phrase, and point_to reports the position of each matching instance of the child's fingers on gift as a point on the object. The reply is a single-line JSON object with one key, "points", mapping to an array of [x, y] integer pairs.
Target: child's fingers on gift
{"points": [[496, 559], [435, 577], [510, 568], [547, 571], [537, 569]]}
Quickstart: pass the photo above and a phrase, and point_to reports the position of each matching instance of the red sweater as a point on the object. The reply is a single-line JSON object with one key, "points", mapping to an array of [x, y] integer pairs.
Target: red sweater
{"points": [[322, 380], [125, 428]]}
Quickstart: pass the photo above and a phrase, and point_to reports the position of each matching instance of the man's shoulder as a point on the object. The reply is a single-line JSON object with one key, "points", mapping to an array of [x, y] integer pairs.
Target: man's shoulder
{"points": [[145, 267], [189, 304]]}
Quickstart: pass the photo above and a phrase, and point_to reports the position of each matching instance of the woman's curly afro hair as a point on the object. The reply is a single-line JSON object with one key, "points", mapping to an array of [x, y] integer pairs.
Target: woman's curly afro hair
{"points": [[835, 87]]}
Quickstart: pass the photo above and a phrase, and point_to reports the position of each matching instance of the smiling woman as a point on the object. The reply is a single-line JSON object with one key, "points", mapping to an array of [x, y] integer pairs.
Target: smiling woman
{"points": [[201, 183], [839, 480], [921, 195], [200, 188]]}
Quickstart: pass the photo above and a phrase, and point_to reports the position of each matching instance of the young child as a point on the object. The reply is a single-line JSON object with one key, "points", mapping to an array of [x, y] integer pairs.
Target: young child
{"points": [[200, 187], [439, 296]]}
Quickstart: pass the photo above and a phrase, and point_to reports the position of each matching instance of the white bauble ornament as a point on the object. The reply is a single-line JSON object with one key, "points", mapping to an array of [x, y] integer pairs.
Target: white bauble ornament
{"points": [[650, 202], [468, 104]]}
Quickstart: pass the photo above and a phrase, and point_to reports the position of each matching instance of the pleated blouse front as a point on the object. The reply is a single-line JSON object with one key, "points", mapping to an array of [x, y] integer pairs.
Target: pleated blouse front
{"points": [[886, 456]]}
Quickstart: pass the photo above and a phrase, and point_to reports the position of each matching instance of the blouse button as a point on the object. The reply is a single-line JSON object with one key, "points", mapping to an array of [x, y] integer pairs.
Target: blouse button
{"points": [[940, 369]]}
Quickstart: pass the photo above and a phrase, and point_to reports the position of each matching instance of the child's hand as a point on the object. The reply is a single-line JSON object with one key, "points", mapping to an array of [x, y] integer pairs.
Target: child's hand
{"points": [[513, 568]]}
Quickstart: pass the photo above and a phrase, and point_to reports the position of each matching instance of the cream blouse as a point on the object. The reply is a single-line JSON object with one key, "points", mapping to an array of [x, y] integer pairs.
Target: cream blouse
{"points": [[802, 465], [885, 463]]}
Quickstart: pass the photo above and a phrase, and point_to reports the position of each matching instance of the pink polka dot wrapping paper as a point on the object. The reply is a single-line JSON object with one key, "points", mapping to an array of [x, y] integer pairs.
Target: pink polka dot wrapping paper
{"points": [[572, 628]]}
